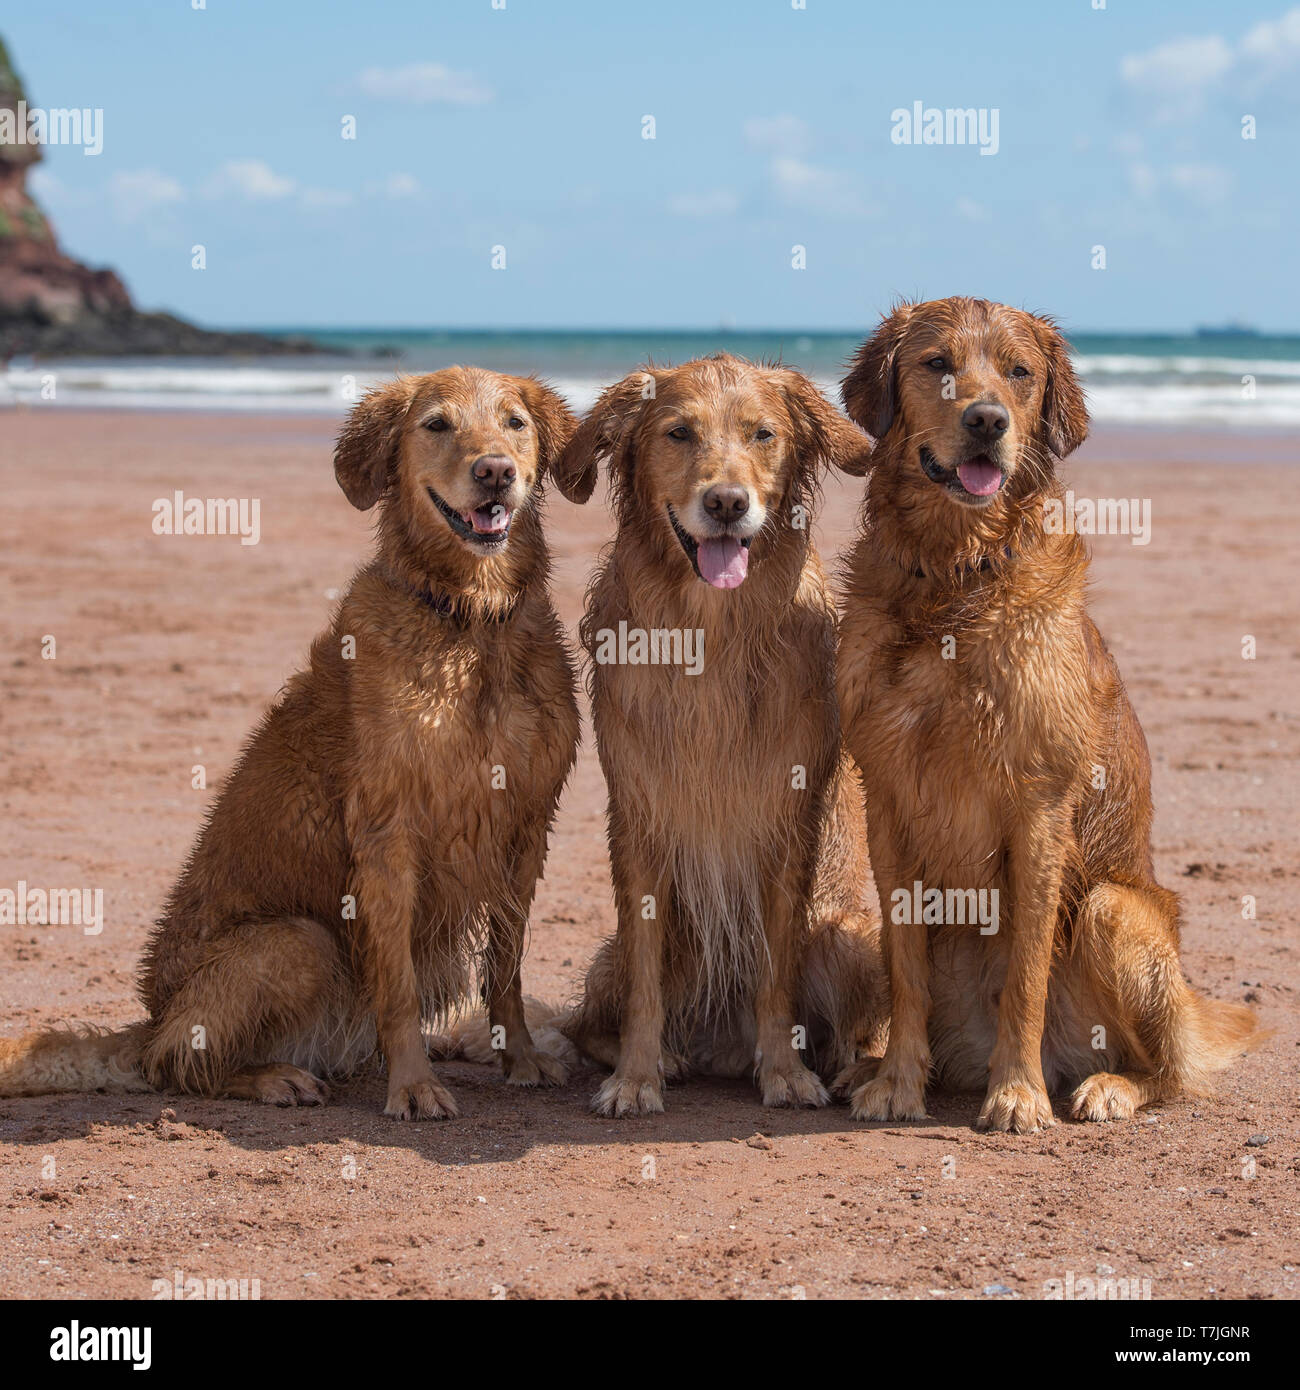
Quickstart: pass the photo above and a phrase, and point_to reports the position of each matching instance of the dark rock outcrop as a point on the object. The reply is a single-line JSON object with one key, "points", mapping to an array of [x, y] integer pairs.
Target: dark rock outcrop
{"points": [[52, 305]]}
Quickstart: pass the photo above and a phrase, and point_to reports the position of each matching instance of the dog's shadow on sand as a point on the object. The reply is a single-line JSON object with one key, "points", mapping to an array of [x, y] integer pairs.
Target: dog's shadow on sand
{"points": [[496, 1122]]}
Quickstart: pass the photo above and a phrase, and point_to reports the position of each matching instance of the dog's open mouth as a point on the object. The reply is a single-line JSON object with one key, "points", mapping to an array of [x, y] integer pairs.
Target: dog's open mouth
{"points": [[722, 561], [975, 479], [487, 526]]}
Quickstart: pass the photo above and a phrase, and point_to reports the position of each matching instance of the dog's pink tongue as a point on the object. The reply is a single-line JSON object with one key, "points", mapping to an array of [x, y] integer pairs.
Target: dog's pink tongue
{"points": [[980, 476], [489, 519], [723, 562]]}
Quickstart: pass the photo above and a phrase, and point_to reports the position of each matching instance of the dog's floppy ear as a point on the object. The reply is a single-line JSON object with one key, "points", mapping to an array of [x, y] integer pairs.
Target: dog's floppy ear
{"points": [[824, 432], [366, 453], [602, 432], [869, 391], [1065, 414], [551, 414]]}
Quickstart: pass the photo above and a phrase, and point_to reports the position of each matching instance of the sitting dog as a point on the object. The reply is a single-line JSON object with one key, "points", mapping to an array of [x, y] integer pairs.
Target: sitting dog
{"points": [[1005, 755], [389, 816], [746, 931]]}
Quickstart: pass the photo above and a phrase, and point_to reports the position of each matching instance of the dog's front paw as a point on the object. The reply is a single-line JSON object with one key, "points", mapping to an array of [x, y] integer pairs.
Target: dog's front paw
{"points": [[534, 1068], [629, 1095], [280, 1085], [792, 1085], [421, 1100], [1018, 1106], [1105, 1096], [856, 1074], [889, 1096]]}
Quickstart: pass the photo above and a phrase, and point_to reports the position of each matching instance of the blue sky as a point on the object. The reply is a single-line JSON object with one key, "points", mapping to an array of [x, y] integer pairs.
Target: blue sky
{"points": [[522, 127]]}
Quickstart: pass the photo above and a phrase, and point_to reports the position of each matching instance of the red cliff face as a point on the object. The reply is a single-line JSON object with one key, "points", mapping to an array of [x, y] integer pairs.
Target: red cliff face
{"points": [[53, 306], [38, 282]]}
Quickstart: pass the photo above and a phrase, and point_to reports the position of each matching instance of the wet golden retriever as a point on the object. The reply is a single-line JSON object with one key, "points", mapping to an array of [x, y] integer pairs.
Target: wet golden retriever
{"points": [[389, 816], [746, 934], [1004, 754]]}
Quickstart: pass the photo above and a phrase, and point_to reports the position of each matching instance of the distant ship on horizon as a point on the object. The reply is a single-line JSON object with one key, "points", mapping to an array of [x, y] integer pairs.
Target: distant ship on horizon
{"points": [[1233, 329]]}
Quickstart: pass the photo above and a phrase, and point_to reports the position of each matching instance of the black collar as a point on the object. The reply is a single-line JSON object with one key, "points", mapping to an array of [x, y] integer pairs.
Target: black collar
{"points": [[446, 606], [982, 566]]}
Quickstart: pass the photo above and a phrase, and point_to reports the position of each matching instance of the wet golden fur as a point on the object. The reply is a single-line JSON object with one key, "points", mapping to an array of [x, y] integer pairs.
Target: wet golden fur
{"points": [[984, 767], [416, 778], [763, 920]]}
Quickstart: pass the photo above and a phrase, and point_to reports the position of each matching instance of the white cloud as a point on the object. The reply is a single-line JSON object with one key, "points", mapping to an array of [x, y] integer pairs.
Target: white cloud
{"points": [[1181, 73], [394, 186], [1201, 183], [1206, 183], [718, 202], [785, 140], [47, 188], [140, 193], [250, 178], [972, 211], [421, 83], [254, 181], [402, 186], [817, 188], [1180, 66], [1142, 179], [1274, 45], [782, 135]]}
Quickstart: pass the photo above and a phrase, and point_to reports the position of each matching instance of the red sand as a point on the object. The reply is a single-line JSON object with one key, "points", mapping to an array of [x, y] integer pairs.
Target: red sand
{"points": [[168, 650]]}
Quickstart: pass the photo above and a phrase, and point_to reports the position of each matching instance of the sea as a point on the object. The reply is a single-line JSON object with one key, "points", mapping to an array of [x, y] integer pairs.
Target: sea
{"points": [[1225, 378]]}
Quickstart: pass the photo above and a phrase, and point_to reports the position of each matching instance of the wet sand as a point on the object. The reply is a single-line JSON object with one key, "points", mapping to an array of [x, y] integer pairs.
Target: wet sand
{"points": [[168, 649]]}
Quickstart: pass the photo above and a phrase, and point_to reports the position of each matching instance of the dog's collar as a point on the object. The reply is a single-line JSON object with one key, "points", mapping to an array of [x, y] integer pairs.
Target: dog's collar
{"points": [[446, 606], [982, 566]]}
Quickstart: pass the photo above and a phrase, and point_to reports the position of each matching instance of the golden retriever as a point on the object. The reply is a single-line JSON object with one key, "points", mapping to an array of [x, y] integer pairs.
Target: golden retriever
{"points": [[389, 816], [746, 932], [1004, 755]]}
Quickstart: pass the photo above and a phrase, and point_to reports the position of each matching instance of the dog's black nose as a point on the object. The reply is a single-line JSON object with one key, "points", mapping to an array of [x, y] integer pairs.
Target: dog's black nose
{"points": [[726, 502], [987, 419], [493, 470]]}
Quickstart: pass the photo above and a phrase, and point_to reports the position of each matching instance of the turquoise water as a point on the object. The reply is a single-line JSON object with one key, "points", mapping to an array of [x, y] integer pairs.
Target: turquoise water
{"points": [[1234, 381], [605, 353]]}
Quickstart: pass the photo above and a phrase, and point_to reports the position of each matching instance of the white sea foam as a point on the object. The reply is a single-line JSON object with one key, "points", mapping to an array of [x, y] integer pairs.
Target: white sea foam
{"points": [[1121, 388], [1115, 364]]}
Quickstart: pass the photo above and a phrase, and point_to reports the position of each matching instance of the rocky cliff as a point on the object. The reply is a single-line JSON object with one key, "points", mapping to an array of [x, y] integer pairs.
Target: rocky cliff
{"points": [[52, 305]]}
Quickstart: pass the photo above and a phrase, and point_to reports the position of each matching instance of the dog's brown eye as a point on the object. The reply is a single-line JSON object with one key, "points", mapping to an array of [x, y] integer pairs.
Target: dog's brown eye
{"points": [[1019, 371], [679, 432], [436, 424], [764, 434], [515, 422], [938, 363]]}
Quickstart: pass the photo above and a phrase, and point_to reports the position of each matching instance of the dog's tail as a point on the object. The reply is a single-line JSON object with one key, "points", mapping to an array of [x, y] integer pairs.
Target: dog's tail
{"points": [[468, 1035], [82, 1058], [1215, 1035]]}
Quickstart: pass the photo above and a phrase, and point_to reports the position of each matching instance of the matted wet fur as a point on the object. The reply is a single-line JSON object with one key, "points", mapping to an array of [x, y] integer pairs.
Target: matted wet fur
{"points": [[387, 820], [1003, 749], [746, 923]]}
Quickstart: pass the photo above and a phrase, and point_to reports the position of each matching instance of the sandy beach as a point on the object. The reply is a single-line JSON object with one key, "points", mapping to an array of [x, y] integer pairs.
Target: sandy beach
{"points": [[169, 647]]}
